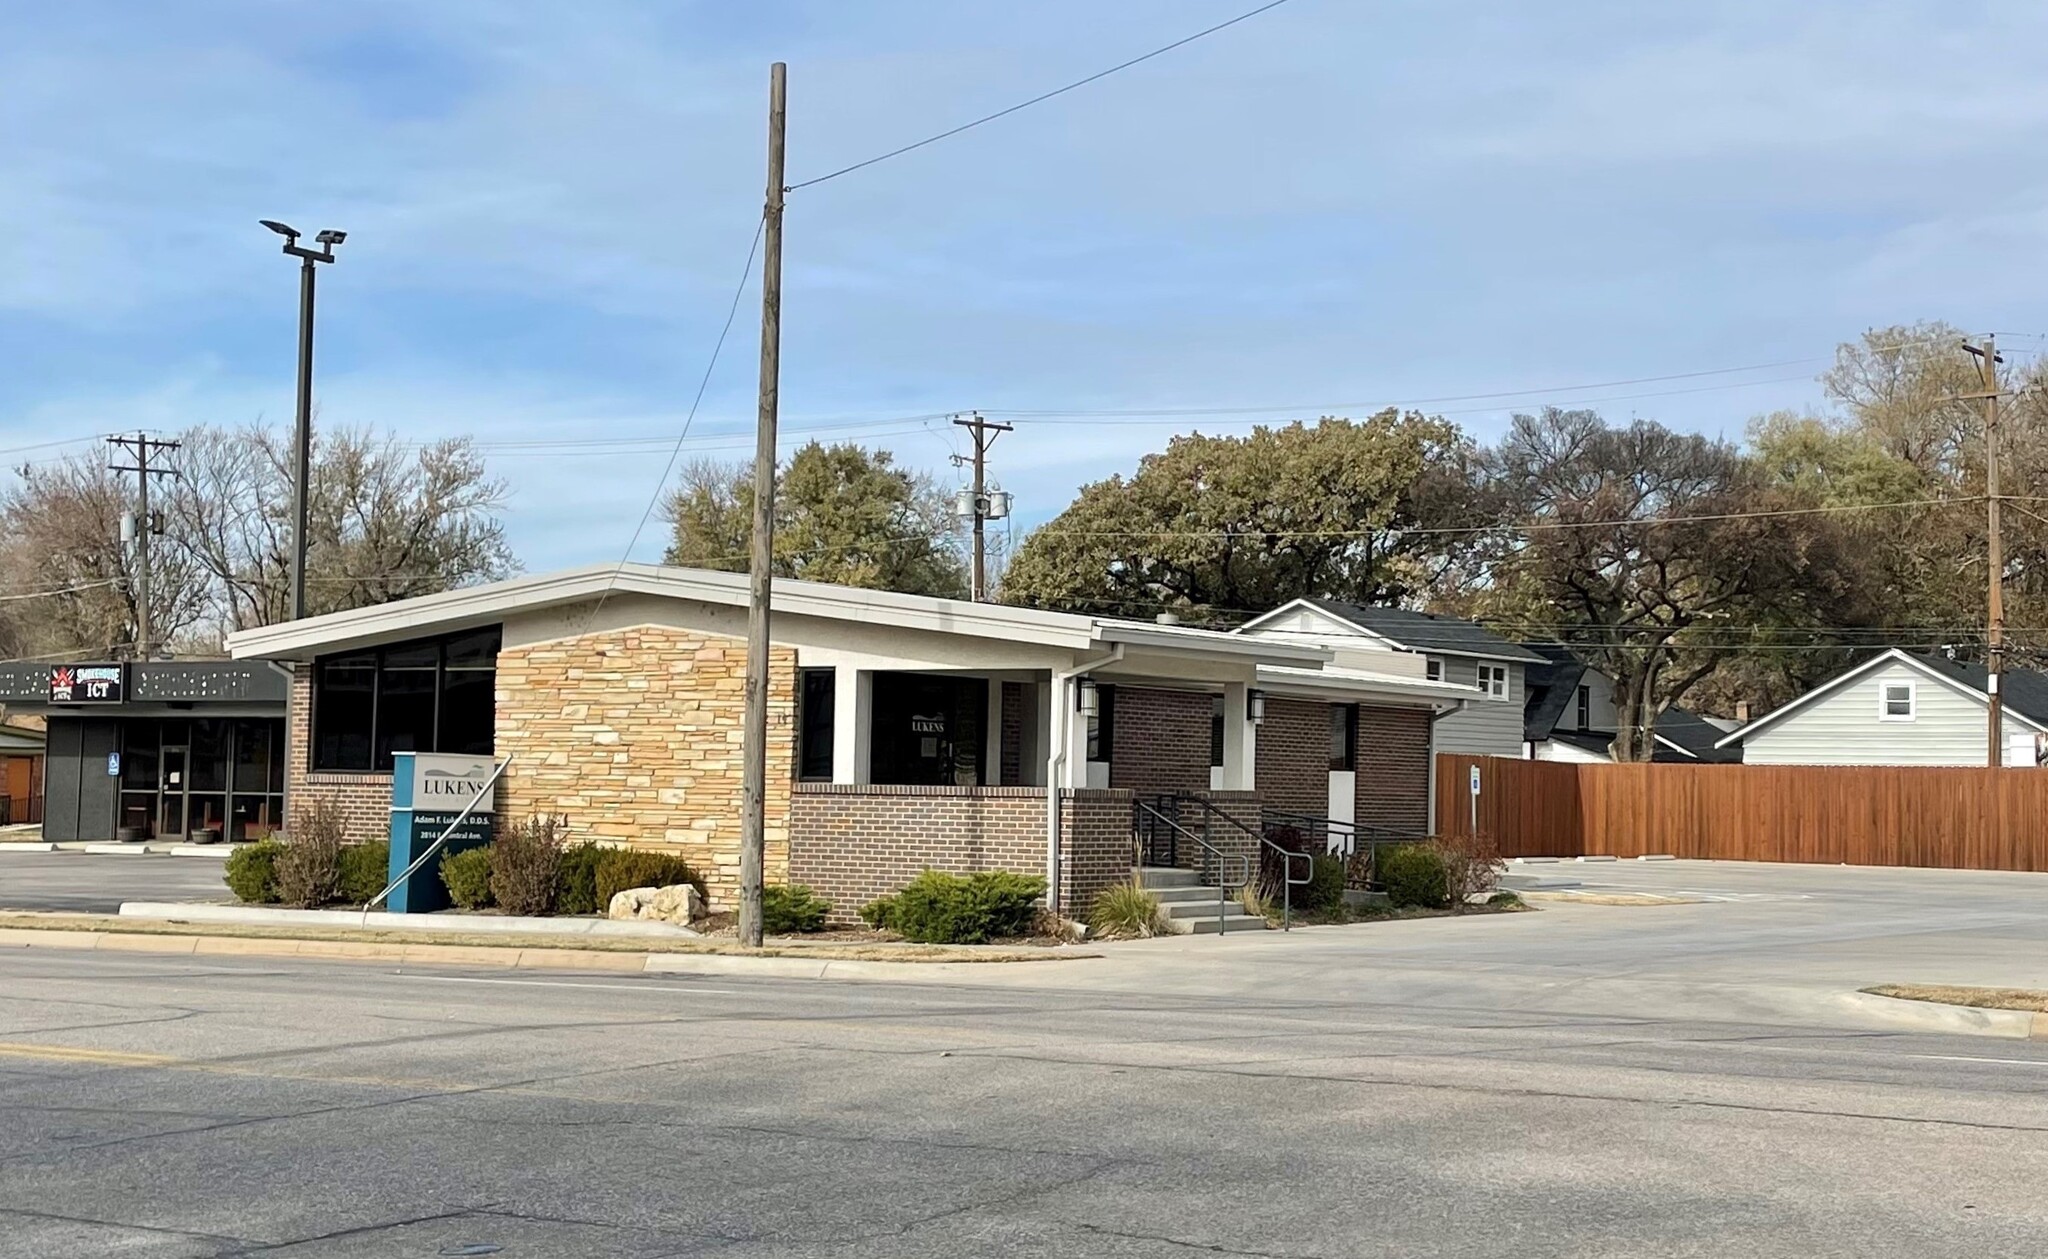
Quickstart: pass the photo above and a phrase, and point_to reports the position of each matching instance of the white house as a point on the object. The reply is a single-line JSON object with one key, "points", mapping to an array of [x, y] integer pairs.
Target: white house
{"points": [[1900, 708]]}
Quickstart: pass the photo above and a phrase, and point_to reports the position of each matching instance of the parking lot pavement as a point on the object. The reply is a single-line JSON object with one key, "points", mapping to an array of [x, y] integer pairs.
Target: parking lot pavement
{"points": [[91, 883]]}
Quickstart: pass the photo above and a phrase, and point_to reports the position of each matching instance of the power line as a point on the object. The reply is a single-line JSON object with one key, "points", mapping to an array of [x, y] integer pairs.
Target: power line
{"points": [[739, 291], [1419, 402], [1045, 96], [1535, 526]]}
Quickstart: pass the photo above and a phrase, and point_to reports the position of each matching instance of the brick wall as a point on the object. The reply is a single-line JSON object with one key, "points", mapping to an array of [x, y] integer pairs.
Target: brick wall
{"points": [[1294, 755], [1393, 768], [364, 800], [635, 736], [1161, 741], [851, 844], [1095, 846]]}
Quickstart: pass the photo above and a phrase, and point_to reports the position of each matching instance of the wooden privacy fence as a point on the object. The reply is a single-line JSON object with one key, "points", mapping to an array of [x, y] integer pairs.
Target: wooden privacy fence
{"points": [[1879, 815]]}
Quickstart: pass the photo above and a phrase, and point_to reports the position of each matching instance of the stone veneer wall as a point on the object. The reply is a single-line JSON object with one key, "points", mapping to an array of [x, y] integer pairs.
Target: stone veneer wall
{"points": [[635, 736], [363, 799], [851, 844]]}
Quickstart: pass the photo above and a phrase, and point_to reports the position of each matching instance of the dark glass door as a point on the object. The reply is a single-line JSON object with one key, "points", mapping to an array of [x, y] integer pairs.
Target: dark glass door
{"points": [[176, 782], [929, 730]]}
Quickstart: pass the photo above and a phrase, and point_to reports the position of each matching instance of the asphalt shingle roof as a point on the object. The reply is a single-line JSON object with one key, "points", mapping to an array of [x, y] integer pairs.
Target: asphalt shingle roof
{"points": [[1426, 631], [2025, 691]]}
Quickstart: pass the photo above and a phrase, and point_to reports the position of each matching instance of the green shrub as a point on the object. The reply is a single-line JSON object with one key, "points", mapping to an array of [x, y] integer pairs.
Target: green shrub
{"points": [[252, 872], [879, 913], [365, 869], [1414, 876], [577, 891], [467, 875], [622, 868], [1127, 912], [526, 864], [786, 910], [940, 908], [1504, 900], [309, 865], [1324, 890]]}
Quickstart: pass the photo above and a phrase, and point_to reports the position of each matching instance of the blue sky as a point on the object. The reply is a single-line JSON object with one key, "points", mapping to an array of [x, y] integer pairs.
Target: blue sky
{"points": [[1327, 208]]}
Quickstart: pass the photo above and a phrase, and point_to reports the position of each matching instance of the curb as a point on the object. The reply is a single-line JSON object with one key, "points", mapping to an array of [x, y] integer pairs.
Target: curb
{"points": [[1959, 1020], [425, 924], [509, 957]]}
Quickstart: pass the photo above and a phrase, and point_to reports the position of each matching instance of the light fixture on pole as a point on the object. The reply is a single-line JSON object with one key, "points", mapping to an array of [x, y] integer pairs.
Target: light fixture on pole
{"points": [[302, 431], [1087, 700]]}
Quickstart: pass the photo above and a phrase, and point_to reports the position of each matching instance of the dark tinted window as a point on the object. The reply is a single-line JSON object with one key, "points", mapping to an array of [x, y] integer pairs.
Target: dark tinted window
{"points": [[435, 695], [1102, 726], [815, 700], [1215, 731], [344, 711], [1343, 736]]}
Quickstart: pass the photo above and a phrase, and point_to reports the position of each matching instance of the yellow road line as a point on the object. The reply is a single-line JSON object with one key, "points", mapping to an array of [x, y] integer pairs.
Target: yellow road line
{"points": [[72, 1053]]}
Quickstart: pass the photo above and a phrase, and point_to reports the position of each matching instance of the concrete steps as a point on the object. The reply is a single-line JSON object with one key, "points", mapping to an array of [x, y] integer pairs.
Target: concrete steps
{"points": [[1190, 905]]}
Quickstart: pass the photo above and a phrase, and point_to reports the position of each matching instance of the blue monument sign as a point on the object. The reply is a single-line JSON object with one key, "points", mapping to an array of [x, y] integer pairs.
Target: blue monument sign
{"points": [[428, 793]]}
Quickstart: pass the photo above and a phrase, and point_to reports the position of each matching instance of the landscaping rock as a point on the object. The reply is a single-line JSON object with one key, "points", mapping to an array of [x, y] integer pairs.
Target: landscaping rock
{"points": [[678, 903]]}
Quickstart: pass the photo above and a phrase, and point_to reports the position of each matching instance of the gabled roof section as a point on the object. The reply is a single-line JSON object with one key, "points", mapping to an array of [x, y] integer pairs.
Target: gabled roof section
{"points": [[1548, 688], [1412, 631], [2026, 692], [488, 604]]}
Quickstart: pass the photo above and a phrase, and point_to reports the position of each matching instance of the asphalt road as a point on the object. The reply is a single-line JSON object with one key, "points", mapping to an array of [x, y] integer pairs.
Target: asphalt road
{"points": [[158, 1106], [95, 884]]}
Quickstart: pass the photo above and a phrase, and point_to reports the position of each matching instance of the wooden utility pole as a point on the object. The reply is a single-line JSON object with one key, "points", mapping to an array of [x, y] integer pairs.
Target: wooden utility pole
{"points": [[1994, 656], [145, 524], [754, 759], [985, 435]]}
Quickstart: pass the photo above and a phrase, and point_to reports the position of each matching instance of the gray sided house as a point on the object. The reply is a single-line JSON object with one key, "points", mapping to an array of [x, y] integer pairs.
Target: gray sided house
{"points": [[1901, 708], [1569, 715], [1439, 649]]}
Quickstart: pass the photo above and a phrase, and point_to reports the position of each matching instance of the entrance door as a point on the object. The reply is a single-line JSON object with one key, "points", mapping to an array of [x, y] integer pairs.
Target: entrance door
{"points": [[170, 807]]}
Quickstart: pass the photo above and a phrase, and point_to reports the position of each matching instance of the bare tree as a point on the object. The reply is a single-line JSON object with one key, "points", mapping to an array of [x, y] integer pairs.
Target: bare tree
{"points": [[387, 521], [69, 584]]}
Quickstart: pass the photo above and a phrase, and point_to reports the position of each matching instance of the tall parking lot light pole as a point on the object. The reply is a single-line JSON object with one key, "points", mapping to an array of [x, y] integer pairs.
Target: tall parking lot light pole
{"points": [[302, 433]]}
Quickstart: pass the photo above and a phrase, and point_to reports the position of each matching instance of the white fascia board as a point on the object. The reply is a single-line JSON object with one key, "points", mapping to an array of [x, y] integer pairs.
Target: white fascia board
{"points": [[1354, 684], [1209, 642], [479, 605]]}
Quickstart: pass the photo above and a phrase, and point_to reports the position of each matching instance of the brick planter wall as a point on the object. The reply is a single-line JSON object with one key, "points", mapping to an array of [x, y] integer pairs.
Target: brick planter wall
{"points": [[1393, 768], [851, 844], [1162, 740], [635, 735]]}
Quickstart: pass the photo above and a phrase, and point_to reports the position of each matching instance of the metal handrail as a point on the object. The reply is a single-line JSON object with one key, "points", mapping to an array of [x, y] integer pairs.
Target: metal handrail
{"points": [[1223, 883], [1287, 856], [1374, 837], [496, 771]]}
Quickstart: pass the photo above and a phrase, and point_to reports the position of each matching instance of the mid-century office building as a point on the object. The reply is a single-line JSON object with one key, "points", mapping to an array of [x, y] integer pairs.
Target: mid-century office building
{"points": [[905, 731], [166, 749]]}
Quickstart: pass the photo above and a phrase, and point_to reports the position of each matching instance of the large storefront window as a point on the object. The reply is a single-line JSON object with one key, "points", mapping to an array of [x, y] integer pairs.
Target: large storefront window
{"points": [[434, 695], [929, 731], [182, 777]]}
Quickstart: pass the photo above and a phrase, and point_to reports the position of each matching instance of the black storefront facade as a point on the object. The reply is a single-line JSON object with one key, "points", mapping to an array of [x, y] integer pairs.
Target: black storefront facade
{"points": [[171, 749]]}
